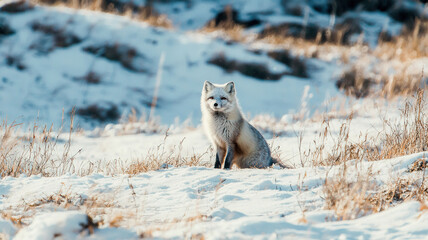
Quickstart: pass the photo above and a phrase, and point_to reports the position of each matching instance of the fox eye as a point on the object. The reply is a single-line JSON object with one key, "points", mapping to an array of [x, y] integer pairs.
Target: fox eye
{"points": [[223, 98], [210, 98]]}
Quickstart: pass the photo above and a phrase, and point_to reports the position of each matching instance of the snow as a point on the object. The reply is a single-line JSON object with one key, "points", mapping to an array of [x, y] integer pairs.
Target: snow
{"points": [[53, 74], [245, 204], [6, 229], [188, 201], [68, 225]]}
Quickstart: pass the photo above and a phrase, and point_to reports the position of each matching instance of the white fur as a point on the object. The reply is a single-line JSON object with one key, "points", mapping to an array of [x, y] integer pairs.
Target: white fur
{"points": [[229, 132]]}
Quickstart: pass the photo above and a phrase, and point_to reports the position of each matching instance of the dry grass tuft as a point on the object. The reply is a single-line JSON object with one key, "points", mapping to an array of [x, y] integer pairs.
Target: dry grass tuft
{"points": [[228, 25], [403, 189], [352, 197], [349, 199], [339, 35], [228, 19], [163, 157], [34, 153], [145, 13], [405, 60], [406, 136], [352, 194]]}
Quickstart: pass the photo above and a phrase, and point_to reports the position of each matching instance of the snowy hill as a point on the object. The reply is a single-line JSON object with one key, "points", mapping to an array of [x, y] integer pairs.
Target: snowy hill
{"points": [[117, 65]]}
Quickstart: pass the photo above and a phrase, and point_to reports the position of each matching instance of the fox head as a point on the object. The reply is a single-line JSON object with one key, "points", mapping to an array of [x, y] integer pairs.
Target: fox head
{"points": [[219, 98]]}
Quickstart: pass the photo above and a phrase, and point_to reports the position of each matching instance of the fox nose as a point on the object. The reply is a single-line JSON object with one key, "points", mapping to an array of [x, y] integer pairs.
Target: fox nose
{"points": [[215, 104]]}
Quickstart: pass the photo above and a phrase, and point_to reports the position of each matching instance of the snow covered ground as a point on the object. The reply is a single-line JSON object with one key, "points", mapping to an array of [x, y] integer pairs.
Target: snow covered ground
{"points": [[202, 202], [57, 58], [205, 202]]}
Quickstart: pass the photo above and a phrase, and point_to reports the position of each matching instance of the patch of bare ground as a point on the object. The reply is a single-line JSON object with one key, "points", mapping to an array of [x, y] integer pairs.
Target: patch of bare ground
{"points": [[15, 60], [126, 55], [16, 6], [5, 29], [101, 112], [256, 70], [60, 37], [297, 64]]}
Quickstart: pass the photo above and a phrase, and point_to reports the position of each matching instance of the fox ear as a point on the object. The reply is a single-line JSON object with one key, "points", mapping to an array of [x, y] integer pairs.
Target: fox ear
{"points": [[230, 88], [208, 86]]}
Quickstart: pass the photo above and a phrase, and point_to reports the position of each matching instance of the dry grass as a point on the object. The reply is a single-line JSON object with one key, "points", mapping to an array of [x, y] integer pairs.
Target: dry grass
{"points": [[134, 124], [398, 66], [34, 153], [145, 13], [231, 34], [411, 44], [227, 25], [94, 206], [164, 157], [350, 198], [393, 62], [353, 193], [39, 152], [102, 209], [355, 196], [406, 136]]}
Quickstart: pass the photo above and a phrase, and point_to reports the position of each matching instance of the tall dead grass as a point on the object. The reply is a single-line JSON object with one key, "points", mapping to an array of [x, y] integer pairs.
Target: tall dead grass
{"points": [[164, 157], [145, 13], [399, 66], [34, 153], [407, 135], [352, 192]]}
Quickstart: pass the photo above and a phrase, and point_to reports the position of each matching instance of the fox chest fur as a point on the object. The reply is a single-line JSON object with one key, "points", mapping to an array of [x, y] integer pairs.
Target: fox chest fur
{"points": [[224, 130]]}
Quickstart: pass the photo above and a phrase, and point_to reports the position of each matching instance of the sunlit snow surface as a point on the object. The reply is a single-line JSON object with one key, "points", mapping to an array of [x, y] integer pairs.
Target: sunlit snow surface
{"points": [[181, 202], [234, 204]]}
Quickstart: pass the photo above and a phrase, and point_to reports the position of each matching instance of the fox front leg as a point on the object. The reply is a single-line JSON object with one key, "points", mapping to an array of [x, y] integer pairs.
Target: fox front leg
{"points": [[229, 157], [219, 157]]}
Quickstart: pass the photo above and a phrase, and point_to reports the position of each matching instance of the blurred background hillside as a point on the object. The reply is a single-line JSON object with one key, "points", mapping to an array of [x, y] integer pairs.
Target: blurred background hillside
{"points": [[289, 59]]}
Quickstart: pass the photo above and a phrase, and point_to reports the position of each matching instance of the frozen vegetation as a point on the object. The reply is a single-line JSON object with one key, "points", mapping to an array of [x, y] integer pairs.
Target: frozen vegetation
{"points": [[100, 134]]}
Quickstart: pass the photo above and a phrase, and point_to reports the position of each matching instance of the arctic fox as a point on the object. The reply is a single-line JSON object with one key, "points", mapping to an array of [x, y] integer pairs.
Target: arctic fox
{"points": [[236, 141]]}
